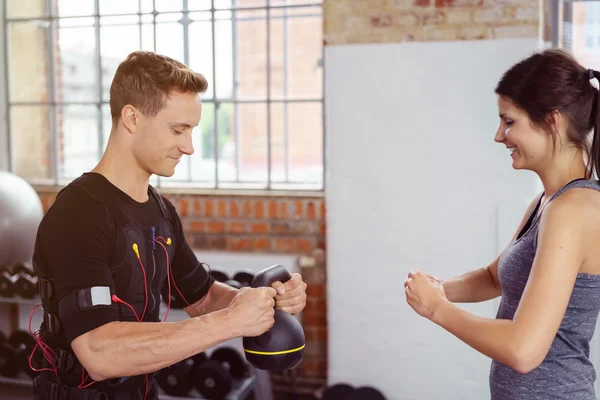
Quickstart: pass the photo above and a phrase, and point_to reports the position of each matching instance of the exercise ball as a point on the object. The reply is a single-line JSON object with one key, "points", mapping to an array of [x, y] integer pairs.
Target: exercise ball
{"points": [[21, 212]]}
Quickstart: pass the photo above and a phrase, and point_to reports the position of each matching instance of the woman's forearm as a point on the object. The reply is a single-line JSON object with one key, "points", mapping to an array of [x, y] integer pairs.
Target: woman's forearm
{"points": [[130, 348], [496, 338], [471, 287]]}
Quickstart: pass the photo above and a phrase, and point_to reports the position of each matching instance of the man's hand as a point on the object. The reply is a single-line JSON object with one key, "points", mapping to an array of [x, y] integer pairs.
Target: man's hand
{"points": [[291, 296], [252, 310]]}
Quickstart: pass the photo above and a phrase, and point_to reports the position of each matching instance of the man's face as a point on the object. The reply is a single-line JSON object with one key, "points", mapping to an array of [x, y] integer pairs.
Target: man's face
{"points": [[165, 138]]}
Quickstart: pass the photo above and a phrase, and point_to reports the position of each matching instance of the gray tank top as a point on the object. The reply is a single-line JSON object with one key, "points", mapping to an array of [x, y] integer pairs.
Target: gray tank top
{"points": [[567, 372]]}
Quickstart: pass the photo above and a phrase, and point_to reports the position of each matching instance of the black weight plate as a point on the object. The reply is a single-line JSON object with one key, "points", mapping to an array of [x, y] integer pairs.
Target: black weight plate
{"points": [[212, 380], [22, 267], [21, 340], [7, 288], [175, 379], [231, 359], [219, 275], [233, 283], [26, 286], [245, 278], [199, 358], [337, 392], [9, 367], [364, 393], [38, 361]]}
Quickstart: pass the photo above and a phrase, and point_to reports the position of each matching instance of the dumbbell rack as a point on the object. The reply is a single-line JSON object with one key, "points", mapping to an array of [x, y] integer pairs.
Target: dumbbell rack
{"points": [[242, 388]]}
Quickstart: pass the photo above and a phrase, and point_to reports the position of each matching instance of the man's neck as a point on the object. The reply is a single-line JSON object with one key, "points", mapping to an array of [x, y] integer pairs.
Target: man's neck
{"points": [[120, 169]]}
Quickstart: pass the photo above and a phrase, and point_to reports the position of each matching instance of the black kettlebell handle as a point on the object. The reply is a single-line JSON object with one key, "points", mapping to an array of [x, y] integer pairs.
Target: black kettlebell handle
{"points": [[270, 275]]}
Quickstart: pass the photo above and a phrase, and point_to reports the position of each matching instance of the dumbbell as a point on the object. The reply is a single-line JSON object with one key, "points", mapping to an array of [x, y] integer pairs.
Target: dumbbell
{"points": [[244, 277], [9, 366], [23, 343], [214, 378], [219, 275], [7, 288], [345, 391], [175, 380], [24, 280]]}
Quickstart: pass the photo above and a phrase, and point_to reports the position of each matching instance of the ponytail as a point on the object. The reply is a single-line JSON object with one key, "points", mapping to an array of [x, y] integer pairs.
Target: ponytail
{"points": [[594, 159]]}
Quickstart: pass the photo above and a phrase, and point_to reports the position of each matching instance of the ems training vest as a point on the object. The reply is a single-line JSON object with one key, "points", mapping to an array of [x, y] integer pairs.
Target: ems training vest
{"points": [[128, 279]]}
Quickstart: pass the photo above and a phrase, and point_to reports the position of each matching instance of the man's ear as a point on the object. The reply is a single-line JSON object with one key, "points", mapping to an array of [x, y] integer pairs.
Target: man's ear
{"points": [[129, 116]]}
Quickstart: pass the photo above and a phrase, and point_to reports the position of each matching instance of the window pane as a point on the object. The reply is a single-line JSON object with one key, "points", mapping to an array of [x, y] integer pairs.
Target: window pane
{"points": [[224, 58], [168, 5], [77, 133], [26, 8], [169, 40], [77, 65], [203, 159], [251, 123], [106, 125], [30, 141], [305, 142], [118, 6], [199, 5], [201, 54], [116, 42], [251, 54], [581, 24], [305, 48], [28, 70], [73, 8], [293, 2]]}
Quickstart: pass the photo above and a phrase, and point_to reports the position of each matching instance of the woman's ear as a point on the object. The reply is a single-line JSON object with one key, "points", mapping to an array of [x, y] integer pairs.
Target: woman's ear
{"points": [[555, 121]]}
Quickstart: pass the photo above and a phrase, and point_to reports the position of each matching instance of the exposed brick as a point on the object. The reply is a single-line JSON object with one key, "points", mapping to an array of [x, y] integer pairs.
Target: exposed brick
{"points": [[459, 17], [259, 209], [527, 14], [323, 229], [315, 305], [516, 31], [440, 33], [234, 209], [247, 209], [433, 18], [422, 3], [304, 245], [283, 209], [408, 18], [316, 290], [184, 206], [237, 227], [299, 209], [313, 276], [487, 15], [260, 227], [217, 243], [315, 348], [244, 244], [314, 319], [216, 226], [323, 209], [197, 208], [458, 3], [382, 21], [314, 368], [208, 208], [221, 208], [285, 245], [280, 227], [262, 244], [197, 226], [472, 33], [311, 212], [272, 209]]}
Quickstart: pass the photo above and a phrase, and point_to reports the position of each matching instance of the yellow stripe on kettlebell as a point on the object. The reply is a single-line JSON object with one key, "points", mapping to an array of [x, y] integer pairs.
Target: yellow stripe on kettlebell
{"points": [[274, 353]]}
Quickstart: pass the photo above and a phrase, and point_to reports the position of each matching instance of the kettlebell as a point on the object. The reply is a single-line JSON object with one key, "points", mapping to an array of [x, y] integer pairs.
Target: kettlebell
{"points": [[282, 346]]}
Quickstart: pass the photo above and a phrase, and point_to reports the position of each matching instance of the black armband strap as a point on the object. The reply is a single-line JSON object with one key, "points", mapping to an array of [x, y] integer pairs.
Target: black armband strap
{"points": [[83, 299]]}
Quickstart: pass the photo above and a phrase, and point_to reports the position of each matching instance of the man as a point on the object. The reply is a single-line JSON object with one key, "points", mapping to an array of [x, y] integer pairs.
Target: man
{"points": [[110, 244]]}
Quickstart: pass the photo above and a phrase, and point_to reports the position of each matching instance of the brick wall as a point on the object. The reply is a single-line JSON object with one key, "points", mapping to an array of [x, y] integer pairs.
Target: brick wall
{"points": [[381, 21], [288, 225]]}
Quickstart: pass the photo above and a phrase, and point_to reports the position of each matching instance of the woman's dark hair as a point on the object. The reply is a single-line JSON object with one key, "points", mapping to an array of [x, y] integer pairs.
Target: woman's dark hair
{"points": [[552, 80]]}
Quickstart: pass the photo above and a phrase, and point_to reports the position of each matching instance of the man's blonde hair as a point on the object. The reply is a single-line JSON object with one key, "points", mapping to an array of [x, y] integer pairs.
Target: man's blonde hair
{"points": [[145, 80]]}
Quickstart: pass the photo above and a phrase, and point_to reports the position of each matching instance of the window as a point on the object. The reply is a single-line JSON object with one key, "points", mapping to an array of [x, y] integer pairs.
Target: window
{"points": [[580, 26], [262, 123]]}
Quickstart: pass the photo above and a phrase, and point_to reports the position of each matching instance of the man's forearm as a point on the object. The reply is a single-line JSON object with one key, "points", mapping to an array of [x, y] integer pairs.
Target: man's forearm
{"points": [[472, 287], [218, 297], [130, 348]]}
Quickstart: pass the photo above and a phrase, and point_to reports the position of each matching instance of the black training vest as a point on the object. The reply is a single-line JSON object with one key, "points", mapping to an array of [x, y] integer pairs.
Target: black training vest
{"points": [[128, 278]]}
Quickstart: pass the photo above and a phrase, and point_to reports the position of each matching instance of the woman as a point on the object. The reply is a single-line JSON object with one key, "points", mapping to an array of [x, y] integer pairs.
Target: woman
{"points": [[549, 274]]}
